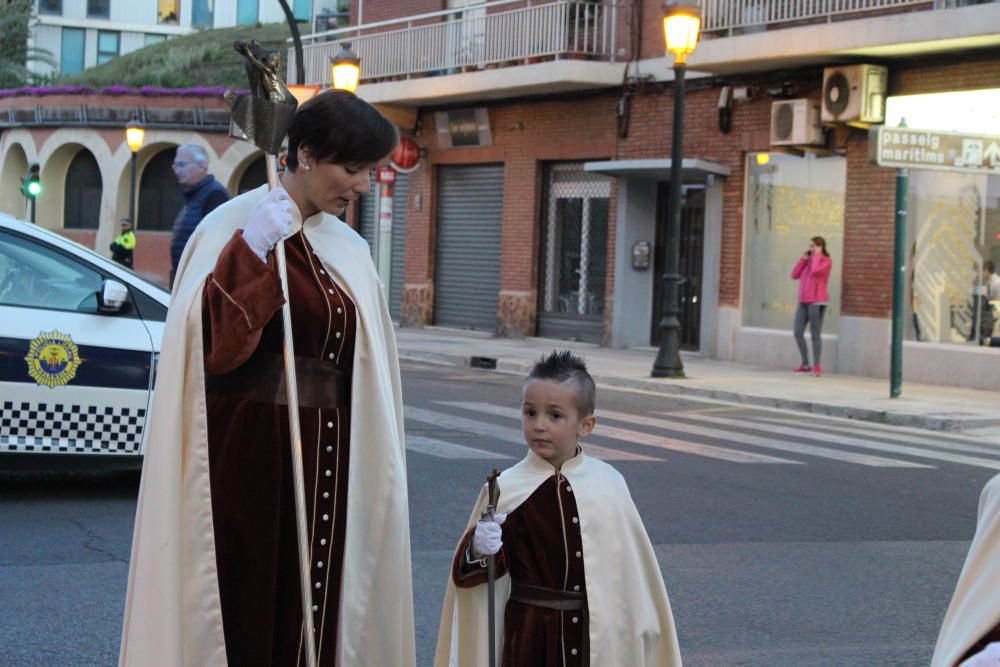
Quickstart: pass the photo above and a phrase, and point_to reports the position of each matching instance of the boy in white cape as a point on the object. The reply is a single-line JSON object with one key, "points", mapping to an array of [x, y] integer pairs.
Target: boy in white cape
{"points": [[578, 583]]}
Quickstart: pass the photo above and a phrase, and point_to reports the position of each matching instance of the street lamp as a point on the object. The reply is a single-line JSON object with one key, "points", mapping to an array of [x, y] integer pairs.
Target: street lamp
{"points": [[681, 24], [134, 134], [346, 68]]}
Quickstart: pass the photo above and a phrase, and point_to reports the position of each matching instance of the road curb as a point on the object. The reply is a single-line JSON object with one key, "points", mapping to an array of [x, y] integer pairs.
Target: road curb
{"points": [[508, 366]]}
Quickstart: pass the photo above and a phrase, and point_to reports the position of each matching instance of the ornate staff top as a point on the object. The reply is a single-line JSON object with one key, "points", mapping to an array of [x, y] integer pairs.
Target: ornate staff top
{"points": [[263, 117]]}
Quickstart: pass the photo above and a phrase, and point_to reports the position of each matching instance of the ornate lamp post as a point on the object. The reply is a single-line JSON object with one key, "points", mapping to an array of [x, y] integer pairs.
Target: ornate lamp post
{"points": [[134, 135], [345, 68], [681, 25]]}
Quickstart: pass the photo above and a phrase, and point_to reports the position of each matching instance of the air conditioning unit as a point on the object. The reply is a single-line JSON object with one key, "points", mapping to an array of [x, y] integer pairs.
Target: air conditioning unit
{"points": [[854, 94], [796, 123]]}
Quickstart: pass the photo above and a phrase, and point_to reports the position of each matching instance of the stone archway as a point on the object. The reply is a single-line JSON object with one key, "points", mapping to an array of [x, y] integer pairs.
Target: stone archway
{"points": [[254, 176], [82, 198], [160, 197], [15, 166]]}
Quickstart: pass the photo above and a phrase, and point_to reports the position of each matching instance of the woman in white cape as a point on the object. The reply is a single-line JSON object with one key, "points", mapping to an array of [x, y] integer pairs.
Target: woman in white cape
{"points": [[214, 569]]}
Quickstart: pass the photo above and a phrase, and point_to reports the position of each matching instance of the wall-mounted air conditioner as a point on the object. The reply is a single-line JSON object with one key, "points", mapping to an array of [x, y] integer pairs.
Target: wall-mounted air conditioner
{"points": [[854, 94], [796, 123]]}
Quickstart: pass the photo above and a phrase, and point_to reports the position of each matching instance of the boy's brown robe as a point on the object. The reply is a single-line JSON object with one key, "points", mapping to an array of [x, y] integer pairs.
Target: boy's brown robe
{"points": [[542, 547]]}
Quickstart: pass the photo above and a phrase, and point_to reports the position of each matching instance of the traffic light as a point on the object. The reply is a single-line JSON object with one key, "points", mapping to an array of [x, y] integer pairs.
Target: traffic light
{"points": [[31, 183]]}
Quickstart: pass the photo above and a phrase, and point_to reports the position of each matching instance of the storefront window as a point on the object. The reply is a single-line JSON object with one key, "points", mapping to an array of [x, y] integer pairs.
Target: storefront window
{"points": [[953, 292], [789, 200]]}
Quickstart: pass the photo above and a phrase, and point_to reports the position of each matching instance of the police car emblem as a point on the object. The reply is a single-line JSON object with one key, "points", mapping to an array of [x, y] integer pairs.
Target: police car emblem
{"points": [[53, 359]]}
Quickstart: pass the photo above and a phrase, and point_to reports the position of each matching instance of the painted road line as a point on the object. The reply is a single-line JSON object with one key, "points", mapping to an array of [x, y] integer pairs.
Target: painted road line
{"points": [[902, 437], [504, 434], [803, 431], [766, 443], [448, 450], [646, 439]]}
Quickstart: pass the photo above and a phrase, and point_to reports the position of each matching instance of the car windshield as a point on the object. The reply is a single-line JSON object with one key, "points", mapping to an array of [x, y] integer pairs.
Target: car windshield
{"points": [[35, 276]]}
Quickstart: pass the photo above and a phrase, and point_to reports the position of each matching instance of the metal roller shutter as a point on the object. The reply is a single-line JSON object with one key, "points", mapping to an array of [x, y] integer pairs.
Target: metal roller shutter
{"points": [[470, 211], [399, 205]]}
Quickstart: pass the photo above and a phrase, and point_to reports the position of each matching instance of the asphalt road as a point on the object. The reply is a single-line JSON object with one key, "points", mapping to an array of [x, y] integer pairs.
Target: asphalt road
{"points": [[784, 539]]}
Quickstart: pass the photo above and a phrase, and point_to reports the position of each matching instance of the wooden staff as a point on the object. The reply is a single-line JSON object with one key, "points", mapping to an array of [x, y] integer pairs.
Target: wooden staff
{"points": [[262, 118], [493, 495]]}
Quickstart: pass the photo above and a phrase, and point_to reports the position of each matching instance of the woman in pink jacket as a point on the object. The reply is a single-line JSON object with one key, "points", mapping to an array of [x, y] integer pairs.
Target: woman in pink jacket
{"points": [[812, 271]]}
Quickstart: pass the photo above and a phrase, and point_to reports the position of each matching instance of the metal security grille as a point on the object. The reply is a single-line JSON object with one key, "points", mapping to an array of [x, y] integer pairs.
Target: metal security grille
{"points": [[470, 212], [399, 204], [574, 253]]}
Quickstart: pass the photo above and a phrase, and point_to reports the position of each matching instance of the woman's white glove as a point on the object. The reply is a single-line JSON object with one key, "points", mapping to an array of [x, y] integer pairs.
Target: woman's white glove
{"points": [[988, 657], [487, 539], [270, 221]]}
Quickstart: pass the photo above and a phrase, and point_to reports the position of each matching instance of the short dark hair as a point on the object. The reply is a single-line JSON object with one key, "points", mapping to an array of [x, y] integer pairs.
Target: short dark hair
{"points": [[990, 266], [338, 126], [564, 367]]}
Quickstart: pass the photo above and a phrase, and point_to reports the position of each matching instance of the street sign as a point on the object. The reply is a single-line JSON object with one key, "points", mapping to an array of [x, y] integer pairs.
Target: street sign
{"points": [[904, 147], [385, 175], [406, 157]]}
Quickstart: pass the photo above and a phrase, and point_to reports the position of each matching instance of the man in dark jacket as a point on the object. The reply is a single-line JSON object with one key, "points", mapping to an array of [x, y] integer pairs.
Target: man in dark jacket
{"points": [[202, 195]]}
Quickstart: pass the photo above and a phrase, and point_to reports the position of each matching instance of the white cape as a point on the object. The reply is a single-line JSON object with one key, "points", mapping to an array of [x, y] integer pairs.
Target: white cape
{"points": [[975, 607], [631, 624], [173, 616]]}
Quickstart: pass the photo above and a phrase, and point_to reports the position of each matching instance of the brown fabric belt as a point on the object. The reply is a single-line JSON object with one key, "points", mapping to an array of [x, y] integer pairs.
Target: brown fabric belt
{"points": [[549, 598], [262, 380]]}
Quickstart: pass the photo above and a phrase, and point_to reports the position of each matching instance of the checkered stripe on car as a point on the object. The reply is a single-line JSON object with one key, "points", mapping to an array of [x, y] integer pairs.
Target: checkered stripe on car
{"points": [[73, 429]]}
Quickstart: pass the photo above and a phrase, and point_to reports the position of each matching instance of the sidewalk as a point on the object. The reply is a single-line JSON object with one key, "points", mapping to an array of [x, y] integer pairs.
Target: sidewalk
{"points": [[924, 406]]}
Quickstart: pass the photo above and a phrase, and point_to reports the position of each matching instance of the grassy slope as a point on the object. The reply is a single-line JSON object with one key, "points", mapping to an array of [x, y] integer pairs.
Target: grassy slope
{"points": [[204, 58]]}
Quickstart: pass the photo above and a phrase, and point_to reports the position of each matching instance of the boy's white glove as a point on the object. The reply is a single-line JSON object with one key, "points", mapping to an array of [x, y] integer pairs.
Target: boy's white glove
{"points": [[487, 539], [988, 657], [269, 222]]}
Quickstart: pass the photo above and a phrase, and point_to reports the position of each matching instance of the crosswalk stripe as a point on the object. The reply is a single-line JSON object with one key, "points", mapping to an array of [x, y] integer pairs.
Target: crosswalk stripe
{"points": [[504, 434], [902, 436], [853, 442], [767, 443], [448, 450], [638, 438]]}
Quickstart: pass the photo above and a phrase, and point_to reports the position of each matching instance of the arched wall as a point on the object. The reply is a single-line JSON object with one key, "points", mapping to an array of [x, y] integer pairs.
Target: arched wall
{"points": [[15, 165], [54, 149], [233, 185]]}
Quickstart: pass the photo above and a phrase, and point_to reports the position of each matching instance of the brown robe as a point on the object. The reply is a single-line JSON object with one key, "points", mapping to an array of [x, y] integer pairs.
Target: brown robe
{"points": [[542, 546], [253, 506]]}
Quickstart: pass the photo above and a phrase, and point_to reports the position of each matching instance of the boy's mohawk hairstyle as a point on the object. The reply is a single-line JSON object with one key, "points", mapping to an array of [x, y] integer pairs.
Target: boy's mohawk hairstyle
{"points": [[567, 367]]}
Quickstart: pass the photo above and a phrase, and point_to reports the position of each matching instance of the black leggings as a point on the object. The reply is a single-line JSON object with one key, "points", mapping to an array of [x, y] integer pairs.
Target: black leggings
{"points": [[813, 314]]}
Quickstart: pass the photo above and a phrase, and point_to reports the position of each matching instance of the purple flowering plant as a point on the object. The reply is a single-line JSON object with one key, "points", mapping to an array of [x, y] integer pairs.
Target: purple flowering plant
{"points": [[117, 89]]}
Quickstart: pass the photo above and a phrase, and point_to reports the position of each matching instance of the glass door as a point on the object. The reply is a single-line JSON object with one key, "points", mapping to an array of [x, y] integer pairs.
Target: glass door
{"points": [[574, 254]]}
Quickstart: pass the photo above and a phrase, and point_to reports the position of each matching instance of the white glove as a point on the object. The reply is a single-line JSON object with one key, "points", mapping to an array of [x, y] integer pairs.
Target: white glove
{"points": [[486, 540], [988, 657], [270, 221]]}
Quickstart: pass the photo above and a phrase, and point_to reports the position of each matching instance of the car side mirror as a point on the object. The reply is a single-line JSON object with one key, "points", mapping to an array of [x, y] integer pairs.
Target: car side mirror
{"points": [[112, 297]]}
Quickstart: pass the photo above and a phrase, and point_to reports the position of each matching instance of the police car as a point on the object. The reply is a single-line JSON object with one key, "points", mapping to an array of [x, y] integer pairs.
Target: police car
{"points": [[79, 340]]}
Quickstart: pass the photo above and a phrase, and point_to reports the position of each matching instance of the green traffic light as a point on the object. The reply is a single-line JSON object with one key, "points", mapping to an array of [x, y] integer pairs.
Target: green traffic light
{"points": [[34, 188]]}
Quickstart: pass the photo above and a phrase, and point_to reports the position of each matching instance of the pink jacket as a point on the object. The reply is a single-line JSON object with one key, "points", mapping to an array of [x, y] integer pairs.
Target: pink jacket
{"points": [[813, 274]]}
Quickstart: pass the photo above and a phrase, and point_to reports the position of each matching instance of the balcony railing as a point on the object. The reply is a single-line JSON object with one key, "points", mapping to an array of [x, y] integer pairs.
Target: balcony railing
{"points": [[745, 16], [472, 37]]}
